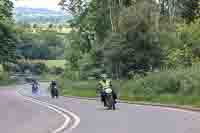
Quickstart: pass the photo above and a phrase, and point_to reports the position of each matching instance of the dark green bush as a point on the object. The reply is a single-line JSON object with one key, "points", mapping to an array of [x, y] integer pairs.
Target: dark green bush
{"points": [[56, 70], [177, 82], [39, 68]]}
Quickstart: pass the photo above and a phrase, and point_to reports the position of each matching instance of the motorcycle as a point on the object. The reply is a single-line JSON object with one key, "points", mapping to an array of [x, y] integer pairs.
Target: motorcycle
{"points": [[34, 88], [109, 99], [54, 92]]}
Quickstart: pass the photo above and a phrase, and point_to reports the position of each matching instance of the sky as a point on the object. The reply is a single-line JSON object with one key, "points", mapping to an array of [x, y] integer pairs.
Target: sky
{"points": [[49, 4]]}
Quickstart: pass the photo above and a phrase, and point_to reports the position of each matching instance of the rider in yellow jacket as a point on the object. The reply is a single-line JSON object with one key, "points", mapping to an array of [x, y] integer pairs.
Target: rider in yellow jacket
{"points": [[103, 84]]}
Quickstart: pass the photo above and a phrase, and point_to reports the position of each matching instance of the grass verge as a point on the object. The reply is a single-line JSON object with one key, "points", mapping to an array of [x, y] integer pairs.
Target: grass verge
{"points": [[181, 87], [5, 79]]}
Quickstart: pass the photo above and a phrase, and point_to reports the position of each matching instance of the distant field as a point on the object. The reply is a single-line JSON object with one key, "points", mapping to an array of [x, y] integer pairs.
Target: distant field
{"points": [[51, 63]]}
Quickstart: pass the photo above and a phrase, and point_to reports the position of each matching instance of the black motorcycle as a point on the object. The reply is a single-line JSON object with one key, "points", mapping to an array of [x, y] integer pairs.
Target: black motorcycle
{"points": [[54, 92], [109, 99]]}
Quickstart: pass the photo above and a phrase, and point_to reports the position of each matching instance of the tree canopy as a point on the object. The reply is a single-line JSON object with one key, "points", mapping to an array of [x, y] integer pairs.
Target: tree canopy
{"points": [[7, 32], [124, 36]]}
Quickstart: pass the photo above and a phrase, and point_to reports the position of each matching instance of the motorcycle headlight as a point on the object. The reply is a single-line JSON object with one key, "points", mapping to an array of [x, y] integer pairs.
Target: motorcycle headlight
{"points": [[108, 90]]}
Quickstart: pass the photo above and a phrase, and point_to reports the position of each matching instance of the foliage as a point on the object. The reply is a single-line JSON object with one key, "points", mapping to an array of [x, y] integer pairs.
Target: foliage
{"points": [[7, 33], [44, 45], [175, 82], [5, 79], [56, 70], [178, 86], [39, 68], [191, 36], [121, 37]]}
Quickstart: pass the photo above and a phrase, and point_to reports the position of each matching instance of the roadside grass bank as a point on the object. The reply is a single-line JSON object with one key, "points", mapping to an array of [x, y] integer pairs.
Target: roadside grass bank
{"points": [[1, 68], [5, 79], [179, 86]]}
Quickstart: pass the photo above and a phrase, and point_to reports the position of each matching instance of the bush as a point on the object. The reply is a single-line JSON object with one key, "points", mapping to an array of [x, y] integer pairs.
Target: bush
{"points": [[56, 70], [39, 68], [3, 76], [183, 81], [178, 86], [5, 79], [23, 67]]}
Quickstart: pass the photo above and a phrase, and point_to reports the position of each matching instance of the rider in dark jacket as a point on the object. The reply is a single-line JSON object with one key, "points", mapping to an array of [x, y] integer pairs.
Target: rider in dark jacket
{"points": [[53, 84], [53, 89]]}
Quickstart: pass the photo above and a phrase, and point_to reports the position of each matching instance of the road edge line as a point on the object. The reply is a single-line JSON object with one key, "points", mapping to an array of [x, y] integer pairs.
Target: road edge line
{"points": [[57, 109], [166, 106]]}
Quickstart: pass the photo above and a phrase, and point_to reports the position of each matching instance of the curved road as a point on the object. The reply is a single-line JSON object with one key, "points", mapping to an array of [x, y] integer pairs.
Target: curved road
{"points": [[20, 116]]}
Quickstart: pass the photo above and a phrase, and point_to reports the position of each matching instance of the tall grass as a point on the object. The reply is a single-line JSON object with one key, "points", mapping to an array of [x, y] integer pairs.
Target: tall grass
{"points": [[78, 88], [175, 86], [1, 68], [5, 79], [178, 81]]}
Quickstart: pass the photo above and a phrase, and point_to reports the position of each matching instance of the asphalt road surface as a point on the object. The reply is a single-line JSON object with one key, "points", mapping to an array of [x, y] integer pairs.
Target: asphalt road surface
{"points": [[20, 116]]}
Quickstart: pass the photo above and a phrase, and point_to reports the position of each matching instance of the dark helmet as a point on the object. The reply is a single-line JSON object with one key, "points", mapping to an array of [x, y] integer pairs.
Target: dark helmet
{"points": [[53, 82]]}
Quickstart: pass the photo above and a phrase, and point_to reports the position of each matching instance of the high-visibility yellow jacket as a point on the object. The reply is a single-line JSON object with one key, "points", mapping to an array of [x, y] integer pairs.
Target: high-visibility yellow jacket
{"points": [[106, 84]]}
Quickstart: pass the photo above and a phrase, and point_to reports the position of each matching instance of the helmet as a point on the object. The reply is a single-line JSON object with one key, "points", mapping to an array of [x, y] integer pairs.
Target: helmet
{"points": [[104, 76]]}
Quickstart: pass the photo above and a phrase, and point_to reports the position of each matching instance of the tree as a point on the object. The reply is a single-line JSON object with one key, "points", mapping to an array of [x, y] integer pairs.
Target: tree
{"points": [[190, 10], [7, 33], [35, 26], [124, 36], [42, 45], [50, 26], [60, 27]]}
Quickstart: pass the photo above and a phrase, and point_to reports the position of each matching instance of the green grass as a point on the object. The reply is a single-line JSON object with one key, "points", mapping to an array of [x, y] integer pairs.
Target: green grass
{"points": [[57, 63], [1, 68], [179, 86], [80, 88], [5, 80], [88, 89], [51, 63], [48, 77]]}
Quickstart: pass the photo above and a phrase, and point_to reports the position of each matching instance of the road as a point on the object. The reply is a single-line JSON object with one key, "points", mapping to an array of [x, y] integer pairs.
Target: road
{"points": [[18, 115], [21, 116]]}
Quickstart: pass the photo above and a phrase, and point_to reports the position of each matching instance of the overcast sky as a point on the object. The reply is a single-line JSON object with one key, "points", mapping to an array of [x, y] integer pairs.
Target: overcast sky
{"points": [[50, 4]]}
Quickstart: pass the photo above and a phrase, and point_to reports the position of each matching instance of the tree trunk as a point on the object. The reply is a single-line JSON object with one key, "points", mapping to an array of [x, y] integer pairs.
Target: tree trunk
{"points": [[111, 19]]}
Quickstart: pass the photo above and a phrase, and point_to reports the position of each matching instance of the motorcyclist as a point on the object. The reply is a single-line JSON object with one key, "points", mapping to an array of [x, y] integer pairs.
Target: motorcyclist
{"points": [[53, 85], [106, 83], [35, 86]]}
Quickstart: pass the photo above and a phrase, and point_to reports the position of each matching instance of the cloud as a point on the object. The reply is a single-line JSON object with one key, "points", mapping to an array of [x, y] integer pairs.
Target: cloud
{"points": [[50, 4]]}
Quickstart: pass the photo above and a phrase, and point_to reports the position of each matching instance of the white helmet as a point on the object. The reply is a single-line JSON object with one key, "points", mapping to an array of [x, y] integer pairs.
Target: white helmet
{"points": [[104, 76]]}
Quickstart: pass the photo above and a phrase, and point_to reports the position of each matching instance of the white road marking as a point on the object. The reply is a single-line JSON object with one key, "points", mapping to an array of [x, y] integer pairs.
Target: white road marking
{"points": [[60, 111], [167, 108]]}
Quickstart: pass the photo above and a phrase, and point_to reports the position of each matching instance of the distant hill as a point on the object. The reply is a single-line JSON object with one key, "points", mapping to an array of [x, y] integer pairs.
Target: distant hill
{"points": [[40, 15]]}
